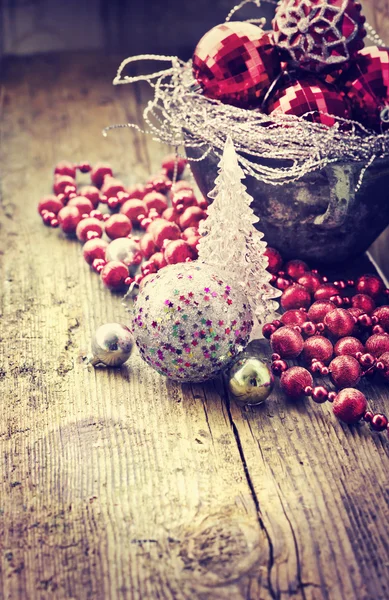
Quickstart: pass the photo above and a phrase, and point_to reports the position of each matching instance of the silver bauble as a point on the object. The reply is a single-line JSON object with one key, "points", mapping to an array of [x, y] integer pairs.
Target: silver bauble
{"points": [[124, 250], [250, 380], [111, 345]]}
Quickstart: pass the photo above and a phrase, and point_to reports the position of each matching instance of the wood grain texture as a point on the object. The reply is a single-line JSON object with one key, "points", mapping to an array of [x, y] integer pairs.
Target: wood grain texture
{"points": [[120, 484]]}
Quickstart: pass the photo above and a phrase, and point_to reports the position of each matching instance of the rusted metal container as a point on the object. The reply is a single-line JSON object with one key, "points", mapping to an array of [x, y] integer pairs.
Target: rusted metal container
{"points": [[319, 218]]}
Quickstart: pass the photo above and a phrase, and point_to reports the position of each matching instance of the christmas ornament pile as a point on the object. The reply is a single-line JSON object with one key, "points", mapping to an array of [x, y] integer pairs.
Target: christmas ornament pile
{"points": [[307, 92]]}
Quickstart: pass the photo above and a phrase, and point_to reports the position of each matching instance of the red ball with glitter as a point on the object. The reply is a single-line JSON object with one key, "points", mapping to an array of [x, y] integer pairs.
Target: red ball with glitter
{"points": [[92, 193], [114, 275], [296, 268], [93, 249], [83, 204], [382, 314], [364, 302], [118, 226], [317, 347], [69, 217], [326, 291], [349, 405], [348, 346], [134, 209], [236, 62], [275, 260], [287, 342], [309, 95], [318, 35], [295, 316], [178, 251], [295, 380], [295, 296], [384, 359], [310, 281], [88, 226], [319, 309], [51, 204], [162, 230], [370, 284], [377, 344], [339, 322], [345, 371]]}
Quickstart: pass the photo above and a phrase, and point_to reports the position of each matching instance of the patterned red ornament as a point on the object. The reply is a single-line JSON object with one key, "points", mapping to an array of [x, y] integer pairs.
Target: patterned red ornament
{"points": [[349, 405], [345, 371], [377, 344], [366, 84], [236, 62], [319, 35], [348, 346], [295, 296], [309, 96], [382, 314], [339, 322], [287, 342], [295, 380], [317, 347], [295, 316], [319, 309], [370, 284]]}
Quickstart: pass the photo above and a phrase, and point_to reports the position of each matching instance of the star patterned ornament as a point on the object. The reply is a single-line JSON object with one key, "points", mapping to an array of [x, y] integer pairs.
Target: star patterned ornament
{"points": [[319, 35]]}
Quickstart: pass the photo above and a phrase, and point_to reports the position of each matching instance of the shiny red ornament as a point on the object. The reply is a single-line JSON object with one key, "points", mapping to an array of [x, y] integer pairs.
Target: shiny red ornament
{"points": [[296, 268], [65, 168], [339, 322], [137, 191], [118, 226], [86, 226], [308, 328], [98, 173], [134, 209], [191, 217], [325, 292], [50, 203], [182, 199], [349, 405], [295, 316], [162, 230], [317, 347], [155, 200], [279, 366], [371, 284], [114, 275], [111, 186], [83, 204], [267, 330], [318, 35], [295, 296], [69, 217], [384, 359], [377, 344], [363, 301], [170, 214], [382, 313], [348, 346], [178, 251], [379, 422], [310, 281], [62, 182], [309, 95], [319, 309], [236, 62], [93, 249], [92, 193], [159, 260], [295, 380], [159, 183], [366, 84], [171, 163], [287, 342], [275, 260], [345, 371], [319, 394]]}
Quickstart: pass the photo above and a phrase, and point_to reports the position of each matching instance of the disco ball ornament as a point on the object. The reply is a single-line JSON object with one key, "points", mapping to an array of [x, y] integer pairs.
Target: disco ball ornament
{"points": [[235, 63], [111, 345], [250, 380], [309, 95], [189, 323], [366, 84], [318, 35]]}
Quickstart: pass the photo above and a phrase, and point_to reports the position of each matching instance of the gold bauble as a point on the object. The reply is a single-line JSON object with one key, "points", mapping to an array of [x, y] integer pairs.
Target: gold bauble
{"points": [[250, 380]]}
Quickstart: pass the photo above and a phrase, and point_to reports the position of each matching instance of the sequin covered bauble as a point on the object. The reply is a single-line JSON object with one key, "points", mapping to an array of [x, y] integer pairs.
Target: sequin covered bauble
{"points": [[309, 95], [236, 62], [319, 35], [189, 322], [366, 84]]}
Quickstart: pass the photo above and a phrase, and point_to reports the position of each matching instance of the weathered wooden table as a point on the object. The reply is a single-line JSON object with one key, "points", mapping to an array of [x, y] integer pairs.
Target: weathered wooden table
{"points": [[119, 484]]}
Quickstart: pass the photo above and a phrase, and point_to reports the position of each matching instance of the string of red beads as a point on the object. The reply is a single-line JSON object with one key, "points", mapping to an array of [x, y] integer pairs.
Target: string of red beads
{"points": [[168, 213], [337, 332]]}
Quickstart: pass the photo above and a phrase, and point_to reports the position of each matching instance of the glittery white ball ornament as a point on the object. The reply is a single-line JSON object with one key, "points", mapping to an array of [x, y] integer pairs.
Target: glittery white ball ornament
{"points": [[189, 322]]}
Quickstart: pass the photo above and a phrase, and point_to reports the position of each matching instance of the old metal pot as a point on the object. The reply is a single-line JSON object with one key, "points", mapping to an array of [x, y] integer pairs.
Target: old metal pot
{"points": [[319, 218]]}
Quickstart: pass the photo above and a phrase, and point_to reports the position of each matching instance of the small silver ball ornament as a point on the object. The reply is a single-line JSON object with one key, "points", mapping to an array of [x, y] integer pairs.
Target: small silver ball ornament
{"points": [[250, 380], [111, 345], [124, 250]]}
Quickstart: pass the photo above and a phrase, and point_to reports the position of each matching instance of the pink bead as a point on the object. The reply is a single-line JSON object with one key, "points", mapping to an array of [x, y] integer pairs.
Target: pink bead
{"points": [[155, 200], [69, 217], [319, 394], [65, 168], [84, 167], [50, 203], [134, 209], [118, 226], [379, 422], [267, 330], [87, 226], [92, 193], [82, 203], [96, 214], [47, 217], [98, 174], [93, 249], [114, 275], [178, 251]]}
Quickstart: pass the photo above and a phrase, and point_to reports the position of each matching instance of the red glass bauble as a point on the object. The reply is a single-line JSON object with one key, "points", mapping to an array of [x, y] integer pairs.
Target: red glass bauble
{"points": [[93, 249], [92, 193], [349, 405], [236, 62], [162, 230], [377, 344], [339, 322], [382, 314], [69, 217], [345, 371], [309, 96], [370, 284], [87, 226], [319, 35], [364, 302], [295, 380], [317, 347], [366, 84], [295, 296], [295, 316], [384, 358], [310, 281], [348, 346], [178, 251], [287, 342], [326, 291], [319, 309], [296, 268], [275, 260], [114, 275], [118, 226]]}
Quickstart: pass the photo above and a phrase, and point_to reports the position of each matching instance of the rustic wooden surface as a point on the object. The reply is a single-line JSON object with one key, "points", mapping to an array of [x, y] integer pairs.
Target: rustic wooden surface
{"points": [[119, 484]]}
